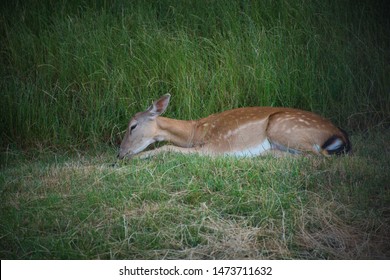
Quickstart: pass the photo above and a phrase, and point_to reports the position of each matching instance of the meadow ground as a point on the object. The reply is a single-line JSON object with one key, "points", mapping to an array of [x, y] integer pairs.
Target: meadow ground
{"points": [[75, 205]]}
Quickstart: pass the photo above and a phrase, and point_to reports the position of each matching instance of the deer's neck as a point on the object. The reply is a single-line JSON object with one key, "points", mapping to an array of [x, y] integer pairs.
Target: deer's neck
{"points": [[179, 132]]}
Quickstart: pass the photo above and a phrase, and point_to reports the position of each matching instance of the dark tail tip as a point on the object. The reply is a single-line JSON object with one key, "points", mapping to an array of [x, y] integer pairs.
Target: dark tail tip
{"points": [[337, 145]]}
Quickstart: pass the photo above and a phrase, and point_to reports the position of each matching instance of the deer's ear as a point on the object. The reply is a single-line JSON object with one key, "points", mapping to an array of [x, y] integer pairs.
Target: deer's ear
{"points": [[159, 106]]}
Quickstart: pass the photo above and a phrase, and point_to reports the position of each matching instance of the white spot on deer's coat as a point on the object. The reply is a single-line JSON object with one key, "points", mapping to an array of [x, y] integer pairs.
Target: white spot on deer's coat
{"points": [[228, 134]]}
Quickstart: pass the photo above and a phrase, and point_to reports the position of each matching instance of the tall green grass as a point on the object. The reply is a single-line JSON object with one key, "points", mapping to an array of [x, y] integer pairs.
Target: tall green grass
{"points": [[72, 73]]}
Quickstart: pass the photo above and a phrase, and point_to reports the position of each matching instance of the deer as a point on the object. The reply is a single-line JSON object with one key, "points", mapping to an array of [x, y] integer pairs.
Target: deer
{"points": [[241, 132]]}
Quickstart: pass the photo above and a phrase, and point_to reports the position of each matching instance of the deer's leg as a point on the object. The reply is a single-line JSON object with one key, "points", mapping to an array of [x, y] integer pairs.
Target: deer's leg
{"points": [[169, 148]]}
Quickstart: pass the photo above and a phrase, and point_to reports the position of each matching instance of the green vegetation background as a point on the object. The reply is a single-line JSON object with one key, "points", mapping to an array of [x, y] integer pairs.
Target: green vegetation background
{"points": [[73, 72]]}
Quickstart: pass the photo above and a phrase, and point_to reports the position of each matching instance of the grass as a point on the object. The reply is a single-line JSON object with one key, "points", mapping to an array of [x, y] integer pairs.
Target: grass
{"points": [[71, 205], [73, 73]]}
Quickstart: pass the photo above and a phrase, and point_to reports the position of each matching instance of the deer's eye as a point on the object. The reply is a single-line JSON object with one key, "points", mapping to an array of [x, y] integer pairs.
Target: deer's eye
{"points": [[133, 126]]}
